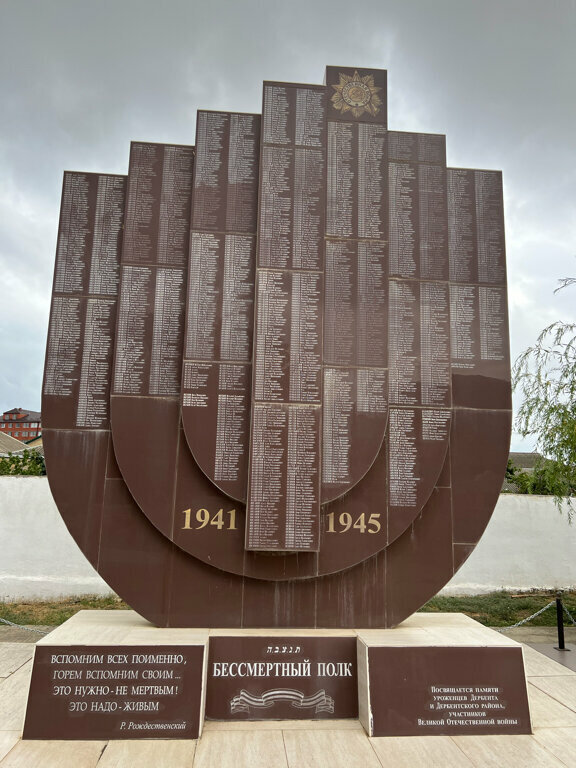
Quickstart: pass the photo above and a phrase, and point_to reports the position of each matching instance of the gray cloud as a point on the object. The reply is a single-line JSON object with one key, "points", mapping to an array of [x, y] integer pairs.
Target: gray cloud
{"points": [[80, 79]]}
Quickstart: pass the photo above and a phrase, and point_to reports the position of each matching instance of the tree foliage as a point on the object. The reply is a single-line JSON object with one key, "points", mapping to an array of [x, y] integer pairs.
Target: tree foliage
{"points": [[541, 481], [29, 462], [545, 376]]}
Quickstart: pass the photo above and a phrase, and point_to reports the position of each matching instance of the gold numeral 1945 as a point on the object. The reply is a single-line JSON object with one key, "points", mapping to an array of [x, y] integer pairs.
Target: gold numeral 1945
{"points": [[345, 522]]}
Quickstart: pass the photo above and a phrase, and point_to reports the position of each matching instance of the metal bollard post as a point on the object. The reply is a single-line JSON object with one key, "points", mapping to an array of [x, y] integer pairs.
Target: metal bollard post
{"points": [[560, 624]]}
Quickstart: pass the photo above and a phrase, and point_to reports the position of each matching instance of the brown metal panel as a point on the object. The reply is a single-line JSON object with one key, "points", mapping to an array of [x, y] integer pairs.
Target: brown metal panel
{"points": [[445, 479], [158, 204], [357, 181], [202, 596], [355, 404], [134, 558], [462, 228], [423, 559], [419, 322], [284, 472], [461, 553], [75, 389], [354, 598], [279, 603], [100, 512], [150, 325], [419, 563], [278, 566], [220, 303], [480, 355], [226, 176], [479, 455], [418, 445], [75, 393], [210, 526], [76, 464], [206, 524], [355, 353], [145, 447], [479, 313], [418, 207], [404, 146], [217, 366], [357, 525], [215, 415], [283, 505]]}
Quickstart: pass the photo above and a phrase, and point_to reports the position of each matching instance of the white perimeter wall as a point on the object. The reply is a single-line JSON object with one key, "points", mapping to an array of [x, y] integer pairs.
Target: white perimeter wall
{"points": [[528, 545], [38, 557]]}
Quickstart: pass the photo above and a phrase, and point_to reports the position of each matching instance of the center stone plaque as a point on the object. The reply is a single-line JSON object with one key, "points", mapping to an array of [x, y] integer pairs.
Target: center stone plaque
{"points": [[277, 385]]}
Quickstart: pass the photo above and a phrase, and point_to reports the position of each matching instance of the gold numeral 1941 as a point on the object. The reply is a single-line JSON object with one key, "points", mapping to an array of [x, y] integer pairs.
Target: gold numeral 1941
{"points": [[202, 518]]}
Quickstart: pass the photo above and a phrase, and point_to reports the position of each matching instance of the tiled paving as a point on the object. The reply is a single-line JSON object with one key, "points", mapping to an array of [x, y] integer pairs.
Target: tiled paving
{"points": [[300, 744]]}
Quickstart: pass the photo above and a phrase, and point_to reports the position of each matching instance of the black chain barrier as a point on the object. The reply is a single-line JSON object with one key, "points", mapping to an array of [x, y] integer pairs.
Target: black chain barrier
{"points": [[21, 626], [560, 610]]}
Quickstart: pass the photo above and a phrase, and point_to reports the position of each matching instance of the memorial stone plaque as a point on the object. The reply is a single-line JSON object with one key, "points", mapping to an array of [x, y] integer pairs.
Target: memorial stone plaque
{"points": [[299, 347], [115, 692], [449, 691], [293, 677]]}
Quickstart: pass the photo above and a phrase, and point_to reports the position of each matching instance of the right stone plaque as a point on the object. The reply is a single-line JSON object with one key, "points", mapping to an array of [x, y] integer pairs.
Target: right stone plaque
{"points": [[422, 691]]}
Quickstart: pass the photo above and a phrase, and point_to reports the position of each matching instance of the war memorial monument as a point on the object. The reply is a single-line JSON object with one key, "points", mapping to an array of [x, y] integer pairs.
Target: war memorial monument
{"points": [[276, 411]]}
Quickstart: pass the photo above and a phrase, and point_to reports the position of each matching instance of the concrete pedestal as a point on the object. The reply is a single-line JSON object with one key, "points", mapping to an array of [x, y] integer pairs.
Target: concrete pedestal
{"points": [[112, 675]]}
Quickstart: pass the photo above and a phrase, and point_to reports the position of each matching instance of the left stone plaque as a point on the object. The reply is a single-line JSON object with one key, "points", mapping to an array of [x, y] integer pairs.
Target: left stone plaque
{"points": [[124, 690]]}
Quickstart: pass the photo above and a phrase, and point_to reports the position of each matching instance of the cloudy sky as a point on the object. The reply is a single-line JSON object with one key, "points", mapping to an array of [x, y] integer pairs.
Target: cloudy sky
{"points": [[81, 78]]}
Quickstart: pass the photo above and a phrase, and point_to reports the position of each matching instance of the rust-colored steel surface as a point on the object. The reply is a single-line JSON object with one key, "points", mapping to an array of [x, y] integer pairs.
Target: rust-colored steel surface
{"points": [[277, 380]]}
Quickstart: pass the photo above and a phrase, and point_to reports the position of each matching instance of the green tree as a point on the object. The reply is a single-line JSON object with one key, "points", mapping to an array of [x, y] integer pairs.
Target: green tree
{"points": [[29, 462], [545, 375]]}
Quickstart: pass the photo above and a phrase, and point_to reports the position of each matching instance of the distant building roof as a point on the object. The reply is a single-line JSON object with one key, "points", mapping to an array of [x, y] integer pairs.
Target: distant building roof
{"points": [[525, 460], [10, 445], [35, 442], [37, 447], [21, 415]]}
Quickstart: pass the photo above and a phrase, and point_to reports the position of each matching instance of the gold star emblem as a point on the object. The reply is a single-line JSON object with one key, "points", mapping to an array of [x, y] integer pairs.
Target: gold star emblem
{"points": [[357, 94]]}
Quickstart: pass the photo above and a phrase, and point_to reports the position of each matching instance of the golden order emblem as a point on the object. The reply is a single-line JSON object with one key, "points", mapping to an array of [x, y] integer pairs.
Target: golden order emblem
{"points": [[357, 94]]}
